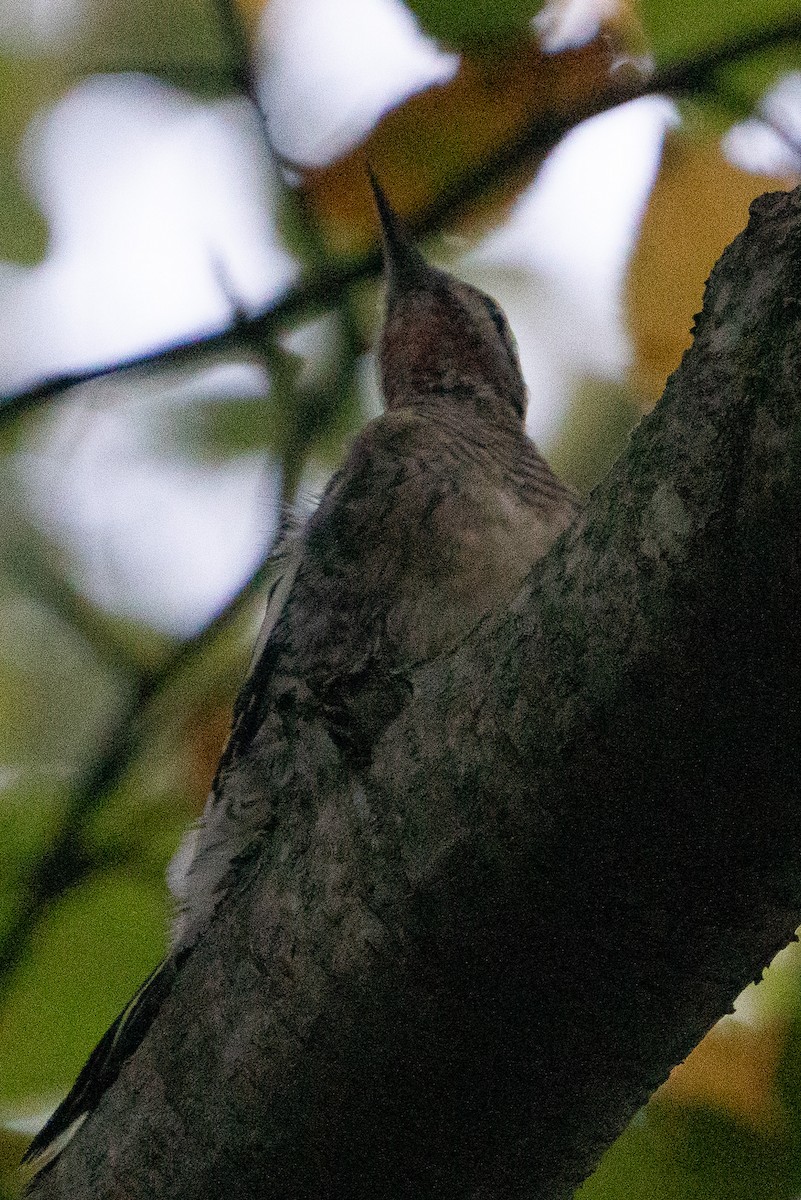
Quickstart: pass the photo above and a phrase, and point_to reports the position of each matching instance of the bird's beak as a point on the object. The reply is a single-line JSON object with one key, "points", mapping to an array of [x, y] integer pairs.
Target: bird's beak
{"points": [[402, 260]]}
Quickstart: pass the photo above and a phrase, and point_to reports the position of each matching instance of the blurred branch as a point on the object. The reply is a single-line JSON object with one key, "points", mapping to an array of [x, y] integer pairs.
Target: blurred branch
{"points": [[312, 404], [323, 289], [315, 407], [243, 75], [461, 974], [29, 562], [67, 859], [696, 74]]}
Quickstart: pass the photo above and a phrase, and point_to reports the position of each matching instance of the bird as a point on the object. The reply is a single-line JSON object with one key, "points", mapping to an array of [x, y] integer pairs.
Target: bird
{"points": [[439, 511]]}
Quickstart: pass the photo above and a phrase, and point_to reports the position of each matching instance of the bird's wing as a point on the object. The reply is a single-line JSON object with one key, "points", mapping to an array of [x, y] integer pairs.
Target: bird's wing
{"points": [[197, 851], [209, 848]]}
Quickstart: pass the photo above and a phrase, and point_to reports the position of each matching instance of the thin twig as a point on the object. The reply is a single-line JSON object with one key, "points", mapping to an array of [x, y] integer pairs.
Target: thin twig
{"points": [[322, 290], [240, 63], [302, 436], [68, 860], [28, 564]]}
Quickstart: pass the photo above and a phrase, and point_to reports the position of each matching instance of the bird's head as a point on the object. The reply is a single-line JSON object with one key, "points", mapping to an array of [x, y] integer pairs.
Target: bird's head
{"points": [[442, 337]]}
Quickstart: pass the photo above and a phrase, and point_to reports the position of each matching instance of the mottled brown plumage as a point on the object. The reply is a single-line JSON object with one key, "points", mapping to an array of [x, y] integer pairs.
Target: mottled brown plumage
{"points": [[435, 518]]}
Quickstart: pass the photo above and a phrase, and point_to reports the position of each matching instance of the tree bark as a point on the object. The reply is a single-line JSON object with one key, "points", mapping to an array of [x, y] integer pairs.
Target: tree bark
{"points": [[462, 974]]}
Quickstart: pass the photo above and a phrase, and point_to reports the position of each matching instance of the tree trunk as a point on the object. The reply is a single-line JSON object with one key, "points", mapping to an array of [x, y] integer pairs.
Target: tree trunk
{"points": [[462, 974]]}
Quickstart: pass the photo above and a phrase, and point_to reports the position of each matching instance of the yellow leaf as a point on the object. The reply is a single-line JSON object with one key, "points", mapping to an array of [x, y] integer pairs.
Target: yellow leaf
{"points": [[438, 136], [733, 1068], [698, 205], [250, 11]]}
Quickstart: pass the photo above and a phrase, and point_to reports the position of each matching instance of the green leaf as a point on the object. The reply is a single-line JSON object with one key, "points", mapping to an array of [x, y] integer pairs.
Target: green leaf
{"points": [[86, 962], [12, 1145], [29, 804], [675, 1152], [54, 694], [216, 430], [677, 29], [180, 42], [26, 86], [742, 85], [596, 432], [476, 26]]}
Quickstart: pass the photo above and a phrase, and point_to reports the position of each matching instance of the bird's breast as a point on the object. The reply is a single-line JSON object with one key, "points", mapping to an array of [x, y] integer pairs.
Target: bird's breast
{"points": [[466, 558]]}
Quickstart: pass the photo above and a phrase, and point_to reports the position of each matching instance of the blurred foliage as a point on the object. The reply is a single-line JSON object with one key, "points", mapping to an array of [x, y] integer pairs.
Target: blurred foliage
{"points": [[474, 27], [677, 248], [683, 27], [490, 103], [25, 85], [180, 42], [741, 85], [110, 727], [111, 924]]}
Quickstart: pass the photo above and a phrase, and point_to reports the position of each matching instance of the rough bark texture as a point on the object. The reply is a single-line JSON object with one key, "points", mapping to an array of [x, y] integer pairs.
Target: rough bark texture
{"points": [[574, 847]]}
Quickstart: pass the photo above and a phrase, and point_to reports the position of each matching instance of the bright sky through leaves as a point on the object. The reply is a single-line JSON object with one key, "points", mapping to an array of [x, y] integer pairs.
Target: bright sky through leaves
{"points": [[159, 489], [148, 190]]}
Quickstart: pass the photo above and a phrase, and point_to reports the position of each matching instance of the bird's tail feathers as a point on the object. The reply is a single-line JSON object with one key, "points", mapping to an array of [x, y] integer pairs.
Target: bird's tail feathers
{"points": [[102, 1067]]}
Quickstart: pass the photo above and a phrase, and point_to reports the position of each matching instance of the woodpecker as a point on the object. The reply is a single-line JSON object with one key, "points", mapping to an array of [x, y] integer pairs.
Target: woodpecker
{"points": [[438, 513]]}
